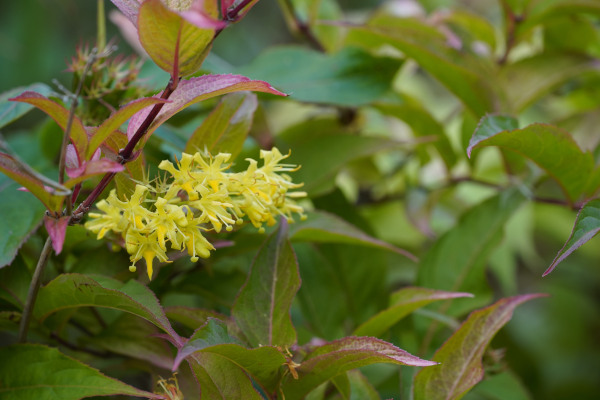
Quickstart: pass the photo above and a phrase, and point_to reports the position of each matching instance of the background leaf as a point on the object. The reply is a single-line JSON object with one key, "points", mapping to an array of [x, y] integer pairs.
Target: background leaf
{"points": [[24, 376], [587, 225], [11, 111], [460, 357], [351, 77]]}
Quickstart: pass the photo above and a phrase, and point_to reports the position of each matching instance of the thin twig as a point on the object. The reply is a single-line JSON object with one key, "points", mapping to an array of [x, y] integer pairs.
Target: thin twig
{"points": [[302, 27], [34, 286]]}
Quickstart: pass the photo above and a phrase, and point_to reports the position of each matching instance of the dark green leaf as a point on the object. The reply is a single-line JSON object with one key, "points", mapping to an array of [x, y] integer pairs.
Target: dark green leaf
{"points": [[351, 77], [460, 357], [262, 308], [36, 372], [193, 318], [220, 379], [10, 110], [402, 303], [587, 225], [457, 260], [74, 290], [226, 127], [331, 359], [550, 147]]}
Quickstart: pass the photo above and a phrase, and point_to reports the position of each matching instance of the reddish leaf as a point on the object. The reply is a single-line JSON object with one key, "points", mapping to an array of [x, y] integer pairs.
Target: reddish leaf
{"points": [[59, 114], [91, 168], [130, 8], [331, 359], [52, 197], [196, 89], [460, 357], [116, 120], [57, 229]]}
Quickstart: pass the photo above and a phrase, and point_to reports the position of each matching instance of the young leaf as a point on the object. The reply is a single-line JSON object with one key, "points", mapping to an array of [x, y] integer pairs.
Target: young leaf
{"points": [[262, 308], [460, 357], [60, 115], [174, 44], [548, 146], [24, 373], [457, 260], [587, 225], [91, 168], [116, 120], [227, 126], [11, 111], [324, 227], [57, 229], [331, 359], [194, 90], [351, 77], [74, 290], [402, 303], [219, 378]]}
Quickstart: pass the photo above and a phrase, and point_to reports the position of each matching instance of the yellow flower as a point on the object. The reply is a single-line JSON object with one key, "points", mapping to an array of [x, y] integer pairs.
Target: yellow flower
{"points": [[166, 221], [140, 246], [183, 177]]}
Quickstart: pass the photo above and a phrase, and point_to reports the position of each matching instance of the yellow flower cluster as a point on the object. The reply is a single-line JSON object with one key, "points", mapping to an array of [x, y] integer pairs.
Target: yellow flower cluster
{"points": [[197, 195]]}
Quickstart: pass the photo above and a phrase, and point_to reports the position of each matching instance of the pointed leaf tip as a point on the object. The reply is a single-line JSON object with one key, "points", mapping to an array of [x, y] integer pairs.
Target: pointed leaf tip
{"points": [[57, 229]]}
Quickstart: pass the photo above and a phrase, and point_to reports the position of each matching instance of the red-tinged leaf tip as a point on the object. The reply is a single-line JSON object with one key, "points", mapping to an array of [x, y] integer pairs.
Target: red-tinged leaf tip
{"points": [[57, 229], [129, 8], [193, 90]]}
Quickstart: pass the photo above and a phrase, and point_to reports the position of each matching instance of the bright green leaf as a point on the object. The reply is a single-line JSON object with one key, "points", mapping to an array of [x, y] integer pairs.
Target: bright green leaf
{"points": [[36, 372], [226, 127], [460, 356]]}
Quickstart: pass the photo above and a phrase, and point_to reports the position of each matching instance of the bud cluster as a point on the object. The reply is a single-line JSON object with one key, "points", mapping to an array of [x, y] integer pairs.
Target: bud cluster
{"points": [[197, 195]]}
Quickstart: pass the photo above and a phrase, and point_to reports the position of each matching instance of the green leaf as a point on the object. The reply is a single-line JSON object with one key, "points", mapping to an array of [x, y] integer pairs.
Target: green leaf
{"points": [[36, 372], [173, 43], [422, 124], [587, 225], [351, 77], [460, 357], [323, 227], [192, 318], [60, 115], [553, 149], [50, 193], [361, 388], [116, 120], [548, 9], [21, 214], [402, 303], [262, 308], [526, 81], [220, 379], [135, 338], [465, 76], [457, 260], [323, 149], [11, 111], [74, 290], [226, 127], [331, 359]]}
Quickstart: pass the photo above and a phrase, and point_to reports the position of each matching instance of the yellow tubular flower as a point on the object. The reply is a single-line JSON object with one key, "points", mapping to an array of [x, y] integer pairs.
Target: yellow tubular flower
{"points": [[154, 220]]}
